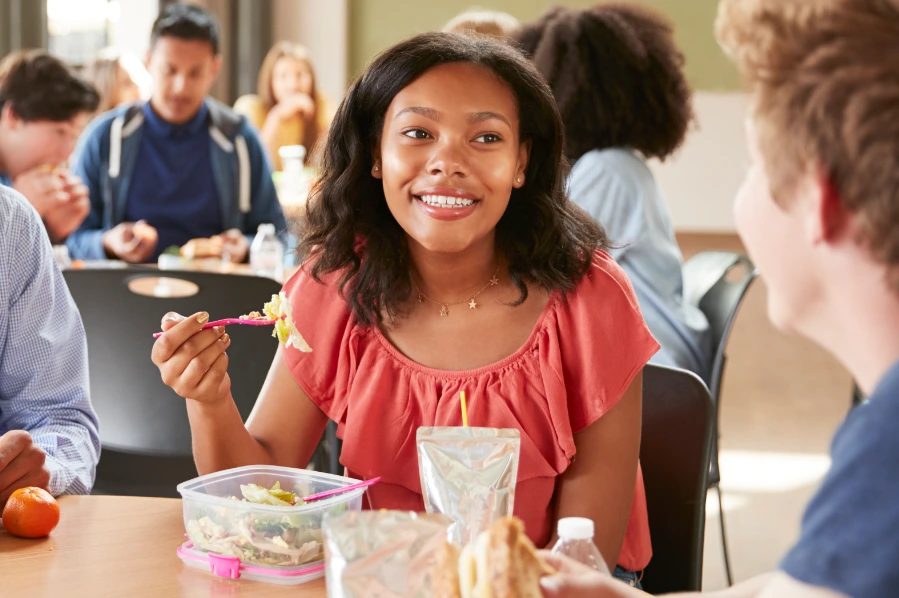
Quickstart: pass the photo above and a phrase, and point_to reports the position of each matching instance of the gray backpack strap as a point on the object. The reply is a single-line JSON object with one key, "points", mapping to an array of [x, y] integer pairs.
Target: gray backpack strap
{"points": [[223, 118], [122, 126], [225, 127]]}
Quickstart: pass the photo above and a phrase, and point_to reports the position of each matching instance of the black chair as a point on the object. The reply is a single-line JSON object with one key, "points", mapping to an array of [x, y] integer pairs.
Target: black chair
{"points": [[678, 424], [716, 282], [144, 430]]}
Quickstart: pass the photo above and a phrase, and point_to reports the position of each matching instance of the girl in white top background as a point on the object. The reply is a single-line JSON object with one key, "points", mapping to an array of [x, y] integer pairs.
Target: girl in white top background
{"points": [[618, 80]]}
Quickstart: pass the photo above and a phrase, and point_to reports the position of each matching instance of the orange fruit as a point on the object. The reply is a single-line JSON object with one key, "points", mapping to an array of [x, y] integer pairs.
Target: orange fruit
{"points": [[31, 513]]}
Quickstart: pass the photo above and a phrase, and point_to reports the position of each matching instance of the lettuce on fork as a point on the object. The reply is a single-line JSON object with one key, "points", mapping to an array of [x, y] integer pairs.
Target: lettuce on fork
{"points": [[279, 309]]}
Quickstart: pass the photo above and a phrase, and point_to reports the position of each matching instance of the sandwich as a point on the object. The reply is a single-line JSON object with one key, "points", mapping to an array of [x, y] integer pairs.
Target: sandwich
{"points": [[501, 563], [446, 572], [196, 249]]}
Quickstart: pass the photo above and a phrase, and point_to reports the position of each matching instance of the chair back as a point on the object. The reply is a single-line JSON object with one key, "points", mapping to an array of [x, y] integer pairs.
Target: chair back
{"points": [[716, 282], [711, 285], [144, 430], [678, 422]]}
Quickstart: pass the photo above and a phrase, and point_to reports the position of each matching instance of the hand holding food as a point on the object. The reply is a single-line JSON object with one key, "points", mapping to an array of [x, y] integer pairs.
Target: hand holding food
{"points": [[191, 360], [277, 313], [22, 463], [132, 242], [235, 246], [66, 216], [146, 233], [42, 187], [575, 580]]}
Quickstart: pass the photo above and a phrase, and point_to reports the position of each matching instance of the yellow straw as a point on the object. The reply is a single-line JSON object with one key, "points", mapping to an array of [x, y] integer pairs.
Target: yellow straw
{"points": [[464, 411]]}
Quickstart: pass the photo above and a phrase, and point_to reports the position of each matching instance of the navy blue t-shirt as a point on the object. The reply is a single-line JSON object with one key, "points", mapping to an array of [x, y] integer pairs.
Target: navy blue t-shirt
{"points": [[850, 531], [172, 186]]}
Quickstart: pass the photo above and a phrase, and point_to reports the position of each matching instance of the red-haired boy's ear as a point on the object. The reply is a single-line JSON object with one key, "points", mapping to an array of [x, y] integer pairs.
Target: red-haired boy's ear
{"points": [[831, 219]]}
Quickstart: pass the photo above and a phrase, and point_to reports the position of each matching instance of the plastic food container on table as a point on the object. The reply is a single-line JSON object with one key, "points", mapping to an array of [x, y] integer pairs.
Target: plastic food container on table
{"points": [[276, 544]]}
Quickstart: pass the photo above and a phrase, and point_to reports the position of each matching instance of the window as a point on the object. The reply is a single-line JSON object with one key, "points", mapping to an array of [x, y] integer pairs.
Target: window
{"points": [[78, 29]]}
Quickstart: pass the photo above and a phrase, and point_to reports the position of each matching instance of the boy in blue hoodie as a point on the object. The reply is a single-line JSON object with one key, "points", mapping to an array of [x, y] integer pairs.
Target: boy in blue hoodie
{"points": [[179, 167]]}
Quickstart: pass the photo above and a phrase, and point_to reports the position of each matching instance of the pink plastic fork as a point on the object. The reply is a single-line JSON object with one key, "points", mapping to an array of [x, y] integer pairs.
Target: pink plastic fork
{"points": [[329, 493], [229, 321]]}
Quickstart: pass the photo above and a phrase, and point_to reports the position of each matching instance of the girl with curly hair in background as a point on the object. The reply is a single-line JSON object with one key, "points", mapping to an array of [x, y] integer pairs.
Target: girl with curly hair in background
{"points": [[617, 78]]}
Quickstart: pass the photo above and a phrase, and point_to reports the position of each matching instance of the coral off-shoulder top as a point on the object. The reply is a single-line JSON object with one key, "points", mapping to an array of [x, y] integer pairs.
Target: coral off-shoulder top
{"points": [[582, 355]]}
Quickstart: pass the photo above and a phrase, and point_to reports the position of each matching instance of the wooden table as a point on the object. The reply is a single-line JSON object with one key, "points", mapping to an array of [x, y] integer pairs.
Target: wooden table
{"points": [[118, 546]]}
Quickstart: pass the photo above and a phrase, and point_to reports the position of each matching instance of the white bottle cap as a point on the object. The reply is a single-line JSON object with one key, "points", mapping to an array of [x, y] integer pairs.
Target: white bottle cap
{"points": [[575, 528], [288, 152], [266, 227]]}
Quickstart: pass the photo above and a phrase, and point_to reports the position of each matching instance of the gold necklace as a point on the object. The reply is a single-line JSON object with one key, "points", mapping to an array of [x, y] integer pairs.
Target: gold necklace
{"points": [[472, 304]]}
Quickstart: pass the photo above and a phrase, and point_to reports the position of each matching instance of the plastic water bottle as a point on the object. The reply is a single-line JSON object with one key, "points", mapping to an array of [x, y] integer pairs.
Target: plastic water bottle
{"points": [[267, 253], [293, 180], [576, 542]]}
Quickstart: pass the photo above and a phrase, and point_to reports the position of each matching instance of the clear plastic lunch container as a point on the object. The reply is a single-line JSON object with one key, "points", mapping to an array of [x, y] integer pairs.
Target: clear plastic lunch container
{"points": [[277, 544]]}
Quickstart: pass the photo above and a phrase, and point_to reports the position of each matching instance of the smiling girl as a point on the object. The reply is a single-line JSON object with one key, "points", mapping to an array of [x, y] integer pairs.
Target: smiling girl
{"points": [[441, 254]]}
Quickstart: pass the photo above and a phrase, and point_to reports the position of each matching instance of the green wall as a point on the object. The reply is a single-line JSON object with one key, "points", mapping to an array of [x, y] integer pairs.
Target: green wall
{"points": [[376, 24]]}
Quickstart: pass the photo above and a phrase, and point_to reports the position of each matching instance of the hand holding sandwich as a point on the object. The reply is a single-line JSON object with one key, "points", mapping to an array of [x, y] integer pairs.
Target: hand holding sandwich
{"points": [[66, 216], [59, 197], [574, 580], [235, 246], [132, 242]]}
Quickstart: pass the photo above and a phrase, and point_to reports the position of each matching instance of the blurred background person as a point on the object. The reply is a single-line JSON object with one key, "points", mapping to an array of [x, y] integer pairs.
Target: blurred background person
{"points": [[118, 78], [179, 167], [44, 106], [287, 109], [618, 80], [493, 23]]}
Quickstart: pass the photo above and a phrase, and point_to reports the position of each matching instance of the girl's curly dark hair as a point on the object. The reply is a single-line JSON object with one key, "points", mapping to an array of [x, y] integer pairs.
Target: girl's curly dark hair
{"points": [[543, 237], [617, 77]]}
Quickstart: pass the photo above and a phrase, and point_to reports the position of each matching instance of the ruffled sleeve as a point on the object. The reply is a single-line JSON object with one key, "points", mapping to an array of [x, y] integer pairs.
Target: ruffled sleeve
{"points": [[603, 342], [325, 321]]}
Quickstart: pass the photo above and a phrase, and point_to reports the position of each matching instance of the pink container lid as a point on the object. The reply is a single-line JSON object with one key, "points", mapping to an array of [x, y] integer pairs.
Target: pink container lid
{"points": [[231, 567]]}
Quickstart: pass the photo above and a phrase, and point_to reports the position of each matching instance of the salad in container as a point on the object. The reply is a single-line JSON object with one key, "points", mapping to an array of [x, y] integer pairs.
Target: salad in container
{"points": [[252, 522]]}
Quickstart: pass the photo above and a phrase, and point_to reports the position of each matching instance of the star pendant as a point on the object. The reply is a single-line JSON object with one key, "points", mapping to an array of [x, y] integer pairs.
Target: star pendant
{"points": [[472, 304]]}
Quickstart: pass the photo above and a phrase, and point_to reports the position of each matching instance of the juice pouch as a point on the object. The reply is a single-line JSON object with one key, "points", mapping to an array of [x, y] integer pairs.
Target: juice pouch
{"points": [[468, 474]]}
